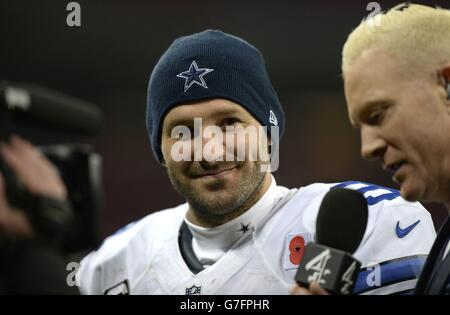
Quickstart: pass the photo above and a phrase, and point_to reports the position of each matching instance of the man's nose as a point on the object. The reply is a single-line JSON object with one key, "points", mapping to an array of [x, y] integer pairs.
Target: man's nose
{"points": [[372, 144]]}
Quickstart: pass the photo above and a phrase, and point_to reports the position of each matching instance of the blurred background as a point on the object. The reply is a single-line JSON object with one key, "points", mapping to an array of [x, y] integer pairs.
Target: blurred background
{"points": [[108, 60]]}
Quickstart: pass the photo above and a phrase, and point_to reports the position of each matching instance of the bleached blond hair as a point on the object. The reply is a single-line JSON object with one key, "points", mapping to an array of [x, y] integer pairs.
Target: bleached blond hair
{"points": [[416, 33]]}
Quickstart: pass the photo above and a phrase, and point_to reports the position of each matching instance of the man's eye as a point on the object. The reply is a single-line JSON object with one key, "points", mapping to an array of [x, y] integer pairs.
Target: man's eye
{"points": [[377, 116], [374, 118]]}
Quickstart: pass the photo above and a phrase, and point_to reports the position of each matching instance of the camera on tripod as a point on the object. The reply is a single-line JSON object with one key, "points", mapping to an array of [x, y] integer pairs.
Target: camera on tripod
{"points": [[73, 224]]}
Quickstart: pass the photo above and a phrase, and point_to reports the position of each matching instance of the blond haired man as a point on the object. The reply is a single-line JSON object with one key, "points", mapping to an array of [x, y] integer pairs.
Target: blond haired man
{"points": [[396, 69]]}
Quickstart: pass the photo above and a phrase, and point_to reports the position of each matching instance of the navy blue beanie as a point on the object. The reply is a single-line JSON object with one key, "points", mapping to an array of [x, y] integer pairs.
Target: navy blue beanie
{"points": [[208, 65]]}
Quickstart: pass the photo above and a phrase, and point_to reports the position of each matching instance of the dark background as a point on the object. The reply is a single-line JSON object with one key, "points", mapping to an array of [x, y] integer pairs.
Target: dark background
{"points": [[108, 60]]}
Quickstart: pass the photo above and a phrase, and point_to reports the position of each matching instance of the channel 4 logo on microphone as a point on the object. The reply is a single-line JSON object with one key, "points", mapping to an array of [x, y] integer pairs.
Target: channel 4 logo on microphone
{"points": [[335, 270]]}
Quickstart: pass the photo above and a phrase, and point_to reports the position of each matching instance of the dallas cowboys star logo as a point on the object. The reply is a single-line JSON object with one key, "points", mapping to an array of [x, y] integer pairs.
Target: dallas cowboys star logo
{"points": [[194, 75], [244, 228]]}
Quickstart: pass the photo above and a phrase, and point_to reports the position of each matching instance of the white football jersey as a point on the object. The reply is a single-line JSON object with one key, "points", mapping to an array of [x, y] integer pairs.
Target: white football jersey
{"points": [[145, 256]]}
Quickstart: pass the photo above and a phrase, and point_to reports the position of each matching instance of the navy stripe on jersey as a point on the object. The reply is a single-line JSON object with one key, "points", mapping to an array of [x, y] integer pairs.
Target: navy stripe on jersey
{"points": [[389, 195], [392, 271]]}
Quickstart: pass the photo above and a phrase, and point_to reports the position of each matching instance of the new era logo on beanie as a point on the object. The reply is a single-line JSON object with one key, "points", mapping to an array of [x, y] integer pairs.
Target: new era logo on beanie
{"points": [[273, 119], [207, 65]]}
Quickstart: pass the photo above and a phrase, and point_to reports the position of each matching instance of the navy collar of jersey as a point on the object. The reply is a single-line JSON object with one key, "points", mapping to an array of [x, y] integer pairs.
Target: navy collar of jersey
{"points": [[187, 252]]}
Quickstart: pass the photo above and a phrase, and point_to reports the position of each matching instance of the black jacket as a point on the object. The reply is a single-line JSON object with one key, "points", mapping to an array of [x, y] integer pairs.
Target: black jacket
{"points": [[435, 276]]}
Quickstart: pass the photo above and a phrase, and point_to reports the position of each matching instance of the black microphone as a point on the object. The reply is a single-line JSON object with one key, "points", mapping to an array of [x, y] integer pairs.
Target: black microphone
{"points": [[31, 105], [340, 227]]}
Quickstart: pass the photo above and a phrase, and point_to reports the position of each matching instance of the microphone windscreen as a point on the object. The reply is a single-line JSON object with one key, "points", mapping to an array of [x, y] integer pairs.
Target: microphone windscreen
{"points": [[342, 219], [40, 107]]}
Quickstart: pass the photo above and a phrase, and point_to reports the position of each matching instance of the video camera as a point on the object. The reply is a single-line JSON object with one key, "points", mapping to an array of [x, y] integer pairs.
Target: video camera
{"points": [[72, 225]]}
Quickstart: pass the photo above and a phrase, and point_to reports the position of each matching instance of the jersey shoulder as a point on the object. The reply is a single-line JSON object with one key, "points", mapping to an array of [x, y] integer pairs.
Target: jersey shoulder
{"points": [[398, 236], [141, 231], [384, 205], [376, 196], [128, 251], [383, 198]]}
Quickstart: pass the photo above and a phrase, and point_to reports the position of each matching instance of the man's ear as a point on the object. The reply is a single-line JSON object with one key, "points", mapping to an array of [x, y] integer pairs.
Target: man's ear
{"points": [[445, 72], [163, 162], [444, 78]]}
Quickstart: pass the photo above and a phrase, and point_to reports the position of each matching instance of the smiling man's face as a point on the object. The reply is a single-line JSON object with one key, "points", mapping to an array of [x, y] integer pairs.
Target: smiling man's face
{"points": [[216, 191], [404, 120]]}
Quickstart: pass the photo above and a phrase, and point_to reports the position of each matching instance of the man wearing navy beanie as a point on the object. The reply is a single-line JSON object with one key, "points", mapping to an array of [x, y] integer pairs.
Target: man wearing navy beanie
{"points": [[209, 65], [214, 122]]}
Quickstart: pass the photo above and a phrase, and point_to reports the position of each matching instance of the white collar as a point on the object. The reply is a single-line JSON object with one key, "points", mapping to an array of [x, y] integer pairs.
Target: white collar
{"points": [[210, 244]]}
